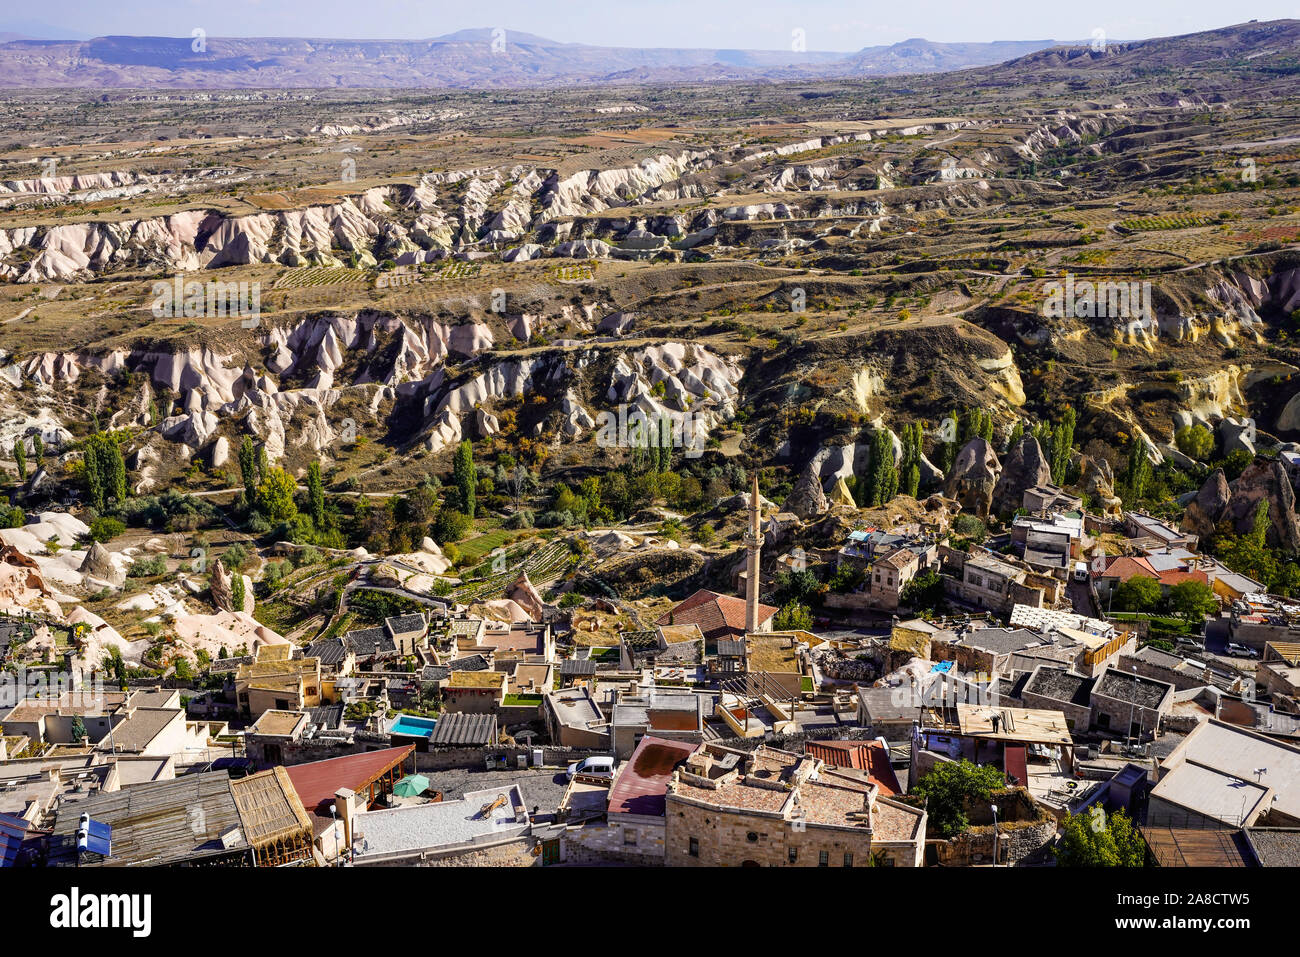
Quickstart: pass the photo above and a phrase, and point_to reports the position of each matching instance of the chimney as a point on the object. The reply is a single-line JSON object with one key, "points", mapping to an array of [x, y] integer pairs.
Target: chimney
{"points": [[753, 544], [345, 800]]}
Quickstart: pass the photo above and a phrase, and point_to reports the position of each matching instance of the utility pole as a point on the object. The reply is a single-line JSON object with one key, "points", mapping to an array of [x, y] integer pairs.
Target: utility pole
{"points": [[1133, 703], [995, 834]]}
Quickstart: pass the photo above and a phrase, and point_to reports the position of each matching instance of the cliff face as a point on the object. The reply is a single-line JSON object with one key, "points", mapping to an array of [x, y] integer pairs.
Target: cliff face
{"points": [[1024, 467], [1235, 504], [974, 477], [307, 381]]}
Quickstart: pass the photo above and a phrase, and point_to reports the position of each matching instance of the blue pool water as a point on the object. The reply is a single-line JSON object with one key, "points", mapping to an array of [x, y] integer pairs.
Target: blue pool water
{"points": [[413, 727]]}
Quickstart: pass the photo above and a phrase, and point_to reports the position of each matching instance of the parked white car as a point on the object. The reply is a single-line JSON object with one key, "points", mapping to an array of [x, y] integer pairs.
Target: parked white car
{"points": [[600, 766]]}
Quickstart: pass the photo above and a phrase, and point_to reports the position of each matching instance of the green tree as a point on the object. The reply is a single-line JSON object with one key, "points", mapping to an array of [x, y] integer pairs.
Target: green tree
{"points": [[909, 469], [20, 459], [38, 449], [923, 592], [105, 528], [1138, 593], [950, 786], [1249, 554], [105, 470], [1017, 433], [463, 473], [1192, 600], [1195, 441], [793, 617], [237, 594], [970, 526], [316, 496], [1138, 472], [275, 495], [797, 586], [114, 665], [1062, 444], [882, 473], [1092, 839], [450, 526], [1236, 462], [248, 470]]}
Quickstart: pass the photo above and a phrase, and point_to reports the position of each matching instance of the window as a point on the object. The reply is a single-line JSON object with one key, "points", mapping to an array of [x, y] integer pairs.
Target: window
{"points": [[848, 858], [794, 854], [823, 859], [751, 837], [629, 836], [694, 848]]}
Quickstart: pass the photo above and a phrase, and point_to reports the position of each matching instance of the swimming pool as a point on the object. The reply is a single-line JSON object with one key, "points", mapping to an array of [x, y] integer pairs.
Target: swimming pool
{"points": [[413, 727]]}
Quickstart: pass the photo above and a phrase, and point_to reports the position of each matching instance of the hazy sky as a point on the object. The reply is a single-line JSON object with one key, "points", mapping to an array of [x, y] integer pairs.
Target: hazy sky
{"points": [[748, 24]]}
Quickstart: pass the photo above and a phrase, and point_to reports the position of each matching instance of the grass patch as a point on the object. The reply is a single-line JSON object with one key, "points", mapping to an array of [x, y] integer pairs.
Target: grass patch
{"points": [[473, 551], [523, 700]]}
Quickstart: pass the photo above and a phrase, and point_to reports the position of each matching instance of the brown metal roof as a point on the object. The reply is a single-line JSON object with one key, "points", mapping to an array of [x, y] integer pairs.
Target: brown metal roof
{"points": [[1198, 847], [318, 781], [643, 780]]}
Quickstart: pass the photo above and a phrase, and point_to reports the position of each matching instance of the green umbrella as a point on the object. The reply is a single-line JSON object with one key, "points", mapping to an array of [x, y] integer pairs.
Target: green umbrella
{"points": [[413, 785]]}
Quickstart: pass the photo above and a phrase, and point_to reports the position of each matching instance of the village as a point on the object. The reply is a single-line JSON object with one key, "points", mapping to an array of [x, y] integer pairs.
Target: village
{"points": [[1001, 733]]}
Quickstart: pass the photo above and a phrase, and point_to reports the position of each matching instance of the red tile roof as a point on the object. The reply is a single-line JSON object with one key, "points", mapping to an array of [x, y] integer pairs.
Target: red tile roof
{"points": [[869, 756], [1175, 576], [1125, 567], [318, 781], [643, 780], [714, 613]]}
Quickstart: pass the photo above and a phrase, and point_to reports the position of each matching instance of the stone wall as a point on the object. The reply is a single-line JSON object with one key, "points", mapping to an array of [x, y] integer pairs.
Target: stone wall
{"points": [[607, 843], [1181, 680], [517, 853], [728, 839], [1018, 843], [441, 759]]}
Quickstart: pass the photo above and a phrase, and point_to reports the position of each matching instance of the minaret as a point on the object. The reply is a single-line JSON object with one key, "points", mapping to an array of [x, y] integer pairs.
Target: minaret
{"points": [[753, 544]]}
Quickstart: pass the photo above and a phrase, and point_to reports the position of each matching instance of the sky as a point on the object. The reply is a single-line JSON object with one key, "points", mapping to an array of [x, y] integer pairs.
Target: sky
{"points": [[831, 25]]}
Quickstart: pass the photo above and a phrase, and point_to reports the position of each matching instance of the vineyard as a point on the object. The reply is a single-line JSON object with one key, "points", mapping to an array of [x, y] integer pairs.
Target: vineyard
{"points": [[1155, 223], [579, 272], [543, 564], [455, 269], [308, 277]]}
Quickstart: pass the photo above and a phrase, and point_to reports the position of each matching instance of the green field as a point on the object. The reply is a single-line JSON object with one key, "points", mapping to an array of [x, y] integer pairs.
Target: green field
{"points": [[473, 550]]}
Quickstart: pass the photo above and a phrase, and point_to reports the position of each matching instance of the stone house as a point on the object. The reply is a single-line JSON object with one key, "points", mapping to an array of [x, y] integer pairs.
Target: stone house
{"points": [[770, 808], [1129, 704], [475, 692]]}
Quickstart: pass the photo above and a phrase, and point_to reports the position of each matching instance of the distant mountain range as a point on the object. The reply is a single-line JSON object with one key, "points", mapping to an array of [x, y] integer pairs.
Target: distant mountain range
{"points": [[486, 58], [468, 58]]}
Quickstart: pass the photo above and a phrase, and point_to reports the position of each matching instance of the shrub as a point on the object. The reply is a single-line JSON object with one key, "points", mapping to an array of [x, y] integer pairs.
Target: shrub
{"points": [[969, 526], [1195, 441], [521, 519], [948, 787], [105, 528], [148, 567], [450, 526]]}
